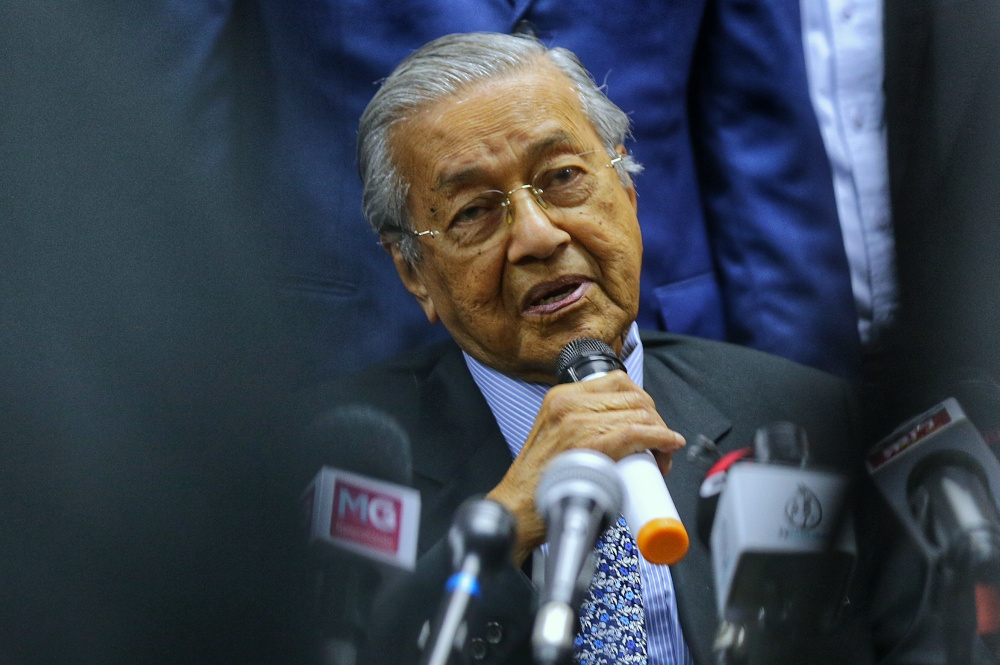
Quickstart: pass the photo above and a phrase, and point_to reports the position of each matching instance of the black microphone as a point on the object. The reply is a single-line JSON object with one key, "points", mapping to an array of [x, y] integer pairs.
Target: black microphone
{"points": [[782, 547], [481, 538], [942, 482], [362, 439], [579, 495], [648, 509], [361, 520]]}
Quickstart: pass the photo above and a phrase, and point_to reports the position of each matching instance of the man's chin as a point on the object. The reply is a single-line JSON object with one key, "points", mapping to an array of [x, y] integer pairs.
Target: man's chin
{"points": [[607, 332], [542, 364]]}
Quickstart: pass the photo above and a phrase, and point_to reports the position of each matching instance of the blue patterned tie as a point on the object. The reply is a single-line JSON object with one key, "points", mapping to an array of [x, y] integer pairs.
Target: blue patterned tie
{"points": [[612, 622]]}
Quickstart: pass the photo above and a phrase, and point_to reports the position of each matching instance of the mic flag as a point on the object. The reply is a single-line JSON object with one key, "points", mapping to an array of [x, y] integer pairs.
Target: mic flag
{"points": [[360, 503], [942, 482], [941, 437], [375, 519], [782, 548]]}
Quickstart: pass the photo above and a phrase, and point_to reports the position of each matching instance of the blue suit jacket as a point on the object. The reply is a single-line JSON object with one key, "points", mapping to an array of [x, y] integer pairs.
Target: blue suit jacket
{"points": [[742, 241]]}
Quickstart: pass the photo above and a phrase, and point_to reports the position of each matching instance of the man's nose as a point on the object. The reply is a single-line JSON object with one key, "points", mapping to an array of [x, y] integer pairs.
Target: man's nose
{"points": [[533, 233]]}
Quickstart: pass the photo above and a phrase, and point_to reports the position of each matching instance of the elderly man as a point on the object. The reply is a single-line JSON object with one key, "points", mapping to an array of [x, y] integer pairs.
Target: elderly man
{"points": [[495, 173]]}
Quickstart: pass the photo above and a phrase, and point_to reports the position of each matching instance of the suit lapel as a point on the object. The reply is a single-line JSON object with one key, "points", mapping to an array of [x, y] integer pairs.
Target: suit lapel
{"points": [[687, 411], [459, 451]]}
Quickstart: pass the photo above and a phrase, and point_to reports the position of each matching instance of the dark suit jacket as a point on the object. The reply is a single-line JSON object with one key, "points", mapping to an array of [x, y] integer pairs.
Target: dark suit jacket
{"points": [[942, 84], [717, 390]]}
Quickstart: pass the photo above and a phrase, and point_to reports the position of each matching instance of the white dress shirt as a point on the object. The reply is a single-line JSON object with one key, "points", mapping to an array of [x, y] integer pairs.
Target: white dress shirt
{"points": [[842, 40]]}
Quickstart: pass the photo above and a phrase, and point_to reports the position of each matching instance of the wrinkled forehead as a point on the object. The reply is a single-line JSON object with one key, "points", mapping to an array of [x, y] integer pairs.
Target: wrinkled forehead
{"points": [[502, 123]]}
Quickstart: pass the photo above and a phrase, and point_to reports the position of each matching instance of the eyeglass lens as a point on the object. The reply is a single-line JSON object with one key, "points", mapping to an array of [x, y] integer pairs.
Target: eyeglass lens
{"points": [[564, 183]]}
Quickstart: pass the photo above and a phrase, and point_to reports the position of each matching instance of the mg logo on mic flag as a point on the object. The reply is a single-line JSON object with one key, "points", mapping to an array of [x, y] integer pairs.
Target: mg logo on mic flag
{"points": [[365, 516], [373, 518]]}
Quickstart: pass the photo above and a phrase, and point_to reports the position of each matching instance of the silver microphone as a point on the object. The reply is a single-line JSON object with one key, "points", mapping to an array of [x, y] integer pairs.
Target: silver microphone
{"points": [[579, 495]]}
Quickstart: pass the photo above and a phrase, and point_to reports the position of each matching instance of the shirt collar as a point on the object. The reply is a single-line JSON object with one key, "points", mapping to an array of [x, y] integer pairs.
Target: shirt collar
{"points": [[515, 403]]}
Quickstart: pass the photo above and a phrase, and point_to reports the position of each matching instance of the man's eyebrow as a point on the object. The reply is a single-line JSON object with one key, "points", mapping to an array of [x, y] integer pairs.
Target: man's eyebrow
{"points": [[455, 179], [447, 181]]}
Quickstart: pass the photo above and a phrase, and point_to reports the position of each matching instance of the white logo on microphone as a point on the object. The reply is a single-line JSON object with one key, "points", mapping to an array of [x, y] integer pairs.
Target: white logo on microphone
{"points": [[804, 510]]}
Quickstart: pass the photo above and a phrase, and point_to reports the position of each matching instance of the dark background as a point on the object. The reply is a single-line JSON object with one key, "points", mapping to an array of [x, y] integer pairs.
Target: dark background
{"points": [[142, 353]]}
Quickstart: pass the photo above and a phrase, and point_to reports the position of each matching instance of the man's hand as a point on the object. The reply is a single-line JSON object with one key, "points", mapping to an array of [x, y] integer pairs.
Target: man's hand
{"points": [[610, 414]]}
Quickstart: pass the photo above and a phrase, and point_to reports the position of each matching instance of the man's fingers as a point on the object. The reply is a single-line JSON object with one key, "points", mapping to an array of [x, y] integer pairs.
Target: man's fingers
{"points": [[664, 460], [618, 439], [610, 382], [613, 395]]}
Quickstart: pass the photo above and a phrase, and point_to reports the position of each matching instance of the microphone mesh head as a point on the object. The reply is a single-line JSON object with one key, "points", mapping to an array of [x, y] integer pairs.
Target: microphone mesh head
{"points": [[781, 442], [581, 348], [362, 440], [582, 473], [484, 527]]}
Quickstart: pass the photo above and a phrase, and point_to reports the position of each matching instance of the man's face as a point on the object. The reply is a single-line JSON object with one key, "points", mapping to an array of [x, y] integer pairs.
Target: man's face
{"points": [[545, 276]]}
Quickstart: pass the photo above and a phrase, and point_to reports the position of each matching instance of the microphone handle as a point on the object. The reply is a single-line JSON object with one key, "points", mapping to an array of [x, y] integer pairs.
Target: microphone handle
{"points": [[650, 512], [577, 535], [555, 621], [464, 585]]}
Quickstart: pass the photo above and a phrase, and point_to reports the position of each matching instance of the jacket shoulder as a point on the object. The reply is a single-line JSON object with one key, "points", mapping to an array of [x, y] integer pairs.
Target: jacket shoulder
{"points": [[712, 361], [753, 387]]}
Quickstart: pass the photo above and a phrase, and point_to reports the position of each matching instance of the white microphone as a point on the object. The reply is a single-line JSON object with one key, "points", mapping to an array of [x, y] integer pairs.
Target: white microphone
{"points": [[579, 495], [650, 512], [782, 544]]}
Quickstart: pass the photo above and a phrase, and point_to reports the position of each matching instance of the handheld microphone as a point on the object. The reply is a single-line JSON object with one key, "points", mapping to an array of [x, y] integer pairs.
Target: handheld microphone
{"points": [[942, 481], [579, 495], [360, 517], [782, 550], [481, 538], [648, 509]]}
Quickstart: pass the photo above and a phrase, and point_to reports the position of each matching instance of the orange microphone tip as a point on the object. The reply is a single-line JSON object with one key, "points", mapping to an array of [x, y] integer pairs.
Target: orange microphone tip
{"points": [[663, 540]]}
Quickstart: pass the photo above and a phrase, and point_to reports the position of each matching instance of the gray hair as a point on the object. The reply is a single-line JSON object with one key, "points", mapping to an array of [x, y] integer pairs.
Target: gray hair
{"points": [[443, 68]]}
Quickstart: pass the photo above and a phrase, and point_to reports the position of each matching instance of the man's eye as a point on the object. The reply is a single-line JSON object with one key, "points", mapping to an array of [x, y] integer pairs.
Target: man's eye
{"points": [[561, 177], [472, 214]]}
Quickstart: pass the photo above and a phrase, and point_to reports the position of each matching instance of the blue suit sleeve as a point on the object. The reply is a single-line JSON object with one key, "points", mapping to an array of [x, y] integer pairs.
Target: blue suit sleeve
{"points": [[767, 190]]}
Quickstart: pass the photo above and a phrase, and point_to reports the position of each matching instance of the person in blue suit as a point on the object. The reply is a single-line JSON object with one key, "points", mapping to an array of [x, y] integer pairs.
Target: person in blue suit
{"points": [[742, 241]]}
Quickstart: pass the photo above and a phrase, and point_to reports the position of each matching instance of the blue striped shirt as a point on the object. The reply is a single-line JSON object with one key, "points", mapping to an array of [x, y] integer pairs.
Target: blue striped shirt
{"points": [[515, 405]]}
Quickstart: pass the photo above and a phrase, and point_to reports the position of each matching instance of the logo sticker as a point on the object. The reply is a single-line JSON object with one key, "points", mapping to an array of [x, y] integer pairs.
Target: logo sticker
{"points": [[365, 516], [804, 510]]}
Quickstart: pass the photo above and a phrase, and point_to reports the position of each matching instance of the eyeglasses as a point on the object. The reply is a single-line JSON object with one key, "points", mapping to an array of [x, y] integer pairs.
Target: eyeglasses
{"points": [[567, 182]]}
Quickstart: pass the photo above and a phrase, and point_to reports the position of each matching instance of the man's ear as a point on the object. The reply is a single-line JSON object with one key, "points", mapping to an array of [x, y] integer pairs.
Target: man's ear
{"points": [[413, 281], [630, 188]]}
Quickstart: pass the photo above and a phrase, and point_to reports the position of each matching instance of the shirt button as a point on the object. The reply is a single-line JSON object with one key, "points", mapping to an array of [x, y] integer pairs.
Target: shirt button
{"points": [[858, 118], [494, 632], [477, 648], [847, 12]]}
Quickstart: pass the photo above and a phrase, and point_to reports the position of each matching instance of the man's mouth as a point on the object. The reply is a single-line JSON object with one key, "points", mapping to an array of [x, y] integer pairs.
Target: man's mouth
{"points": [[553, 296]]}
